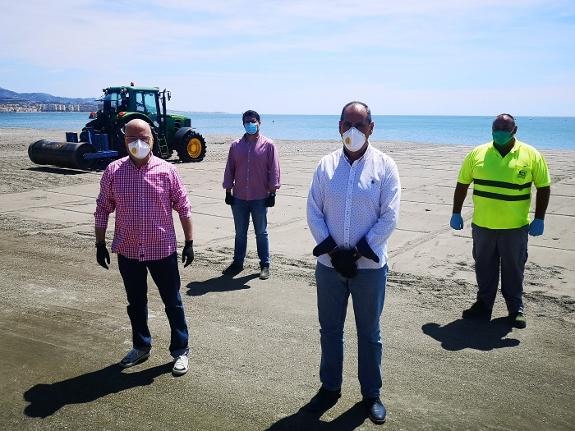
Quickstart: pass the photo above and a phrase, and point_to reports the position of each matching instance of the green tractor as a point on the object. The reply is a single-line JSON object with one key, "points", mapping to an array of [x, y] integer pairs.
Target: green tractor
{"points": [[102, 139]]}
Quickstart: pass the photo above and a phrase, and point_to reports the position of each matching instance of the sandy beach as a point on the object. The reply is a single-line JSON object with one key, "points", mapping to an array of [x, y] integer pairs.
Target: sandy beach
{"points": [[254, 344]]}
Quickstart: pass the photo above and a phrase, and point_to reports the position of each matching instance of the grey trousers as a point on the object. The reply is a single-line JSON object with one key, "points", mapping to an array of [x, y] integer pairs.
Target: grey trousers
{"points": [[505, 249]]}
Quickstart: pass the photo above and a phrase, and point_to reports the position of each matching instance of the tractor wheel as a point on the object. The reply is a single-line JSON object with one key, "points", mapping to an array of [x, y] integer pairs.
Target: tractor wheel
{"points": [[192, 147]]}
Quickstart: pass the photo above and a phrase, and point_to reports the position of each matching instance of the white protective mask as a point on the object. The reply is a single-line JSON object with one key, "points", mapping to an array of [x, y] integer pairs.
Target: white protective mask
{"points": [[353, 139], [139, 149]]}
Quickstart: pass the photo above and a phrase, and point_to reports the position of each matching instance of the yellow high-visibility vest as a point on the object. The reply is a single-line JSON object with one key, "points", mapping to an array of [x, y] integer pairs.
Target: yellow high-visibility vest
{"points": [[502, 185]]}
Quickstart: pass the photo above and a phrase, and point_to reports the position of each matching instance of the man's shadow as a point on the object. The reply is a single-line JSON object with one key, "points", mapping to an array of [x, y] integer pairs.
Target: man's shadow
{"points": [[469, 334], [304, 420], [223, 283], [47, 399]]}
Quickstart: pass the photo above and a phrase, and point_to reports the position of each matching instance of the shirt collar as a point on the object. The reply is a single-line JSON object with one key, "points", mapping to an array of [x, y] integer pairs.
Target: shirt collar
{"points": [[363, 156], [152, 161], [245, 140], [513, 149]]}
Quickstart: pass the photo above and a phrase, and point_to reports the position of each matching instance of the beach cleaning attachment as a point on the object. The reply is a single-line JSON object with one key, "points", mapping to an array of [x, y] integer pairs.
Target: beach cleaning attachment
{"points": [[72, 154]]}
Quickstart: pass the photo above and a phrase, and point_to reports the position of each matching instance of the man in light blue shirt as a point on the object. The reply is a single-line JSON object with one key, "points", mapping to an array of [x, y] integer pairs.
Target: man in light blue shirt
{"points": [[352, 209]]}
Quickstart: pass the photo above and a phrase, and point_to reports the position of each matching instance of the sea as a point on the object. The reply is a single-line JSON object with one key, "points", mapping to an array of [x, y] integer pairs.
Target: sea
{"points": [[541, 132]]}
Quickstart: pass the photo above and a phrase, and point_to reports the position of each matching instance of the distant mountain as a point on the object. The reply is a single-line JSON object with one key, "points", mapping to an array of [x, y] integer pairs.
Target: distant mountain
{"points": [[8, 96]]}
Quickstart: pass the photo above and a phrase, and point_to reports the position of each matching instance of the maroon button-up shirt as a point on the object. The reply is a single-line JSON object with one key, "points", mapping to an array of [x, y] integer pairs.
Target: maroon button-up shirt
{"points": [[253, 169], [143, 199]]}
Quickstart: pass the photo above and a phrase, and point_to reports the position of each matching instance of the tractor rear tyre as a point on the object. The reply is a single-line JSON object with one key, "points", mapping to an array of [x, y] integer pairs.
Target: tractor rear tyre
{"points": [[191, 146]]}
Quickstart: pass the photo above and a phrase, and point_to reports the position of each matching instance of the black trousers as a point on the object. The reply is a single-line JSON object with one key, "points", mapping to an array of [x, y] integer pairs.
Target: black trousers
{"points": [[165, 274], [505, 251]]}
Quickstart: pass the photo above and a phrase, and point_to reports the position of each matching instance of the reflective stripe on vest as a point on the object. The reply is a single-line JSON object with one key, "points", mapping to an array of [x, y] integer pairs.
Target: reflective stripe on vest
{"points": [[503, 185]]}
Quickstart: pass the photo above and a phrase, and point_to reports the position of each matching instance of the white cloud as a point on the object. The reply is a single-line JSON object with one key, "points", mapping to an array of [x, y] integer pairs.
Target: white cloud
{"points": [[288, 50]]}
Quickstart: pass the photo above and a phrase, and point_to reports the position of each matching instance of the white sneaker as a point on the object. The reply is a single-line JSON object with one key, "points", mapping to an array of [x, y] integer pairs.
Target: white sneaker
{"points": [[134, 357], [180, 365]]}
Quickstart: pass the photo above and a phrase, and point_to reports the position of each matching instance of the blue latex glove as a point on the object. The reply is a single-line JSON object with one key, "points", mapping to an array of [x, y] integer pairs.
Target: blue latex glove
{"points": [[536, 227], [456, 221]]}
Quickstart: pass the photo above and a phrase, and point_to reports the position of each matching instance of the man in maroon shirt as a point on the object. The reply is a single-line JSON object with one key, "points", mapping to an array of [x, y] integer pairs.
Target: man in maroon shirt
{"points": [[143, 190], [253, 174]]}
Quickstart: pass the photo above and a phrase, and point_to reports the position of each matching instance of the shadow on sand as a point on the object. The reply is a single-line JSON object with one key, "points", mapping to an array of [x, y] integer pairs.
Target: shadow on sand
{"points": [[468, 334], [54, 170], [223, 283], [47, 399], [303, 420]]}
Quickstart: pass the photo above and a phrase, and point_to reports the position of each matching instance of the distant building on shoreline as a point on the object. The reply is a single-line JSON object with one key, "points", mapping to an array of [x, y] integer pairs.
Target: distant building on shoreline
{"points": [[47, 107]]}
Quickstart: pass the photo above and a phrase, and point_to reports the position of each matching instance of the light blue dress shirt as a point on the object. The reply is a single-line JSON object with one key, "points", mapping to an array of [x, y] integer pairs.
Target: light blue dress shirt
{"points": [[350, 201]]}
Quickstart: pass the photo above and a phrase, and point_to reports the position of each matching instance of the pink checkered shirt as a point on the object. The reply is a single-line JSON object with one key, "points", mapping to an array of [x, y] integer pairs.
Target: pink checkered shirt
{"points": [[143, 199], [253, 168]]}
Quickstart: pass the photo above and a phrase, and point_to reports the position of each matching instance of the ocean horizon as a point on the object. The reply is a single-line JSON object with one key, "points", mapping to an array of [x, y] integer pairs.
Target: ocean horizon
{"points": [[541, 132]]}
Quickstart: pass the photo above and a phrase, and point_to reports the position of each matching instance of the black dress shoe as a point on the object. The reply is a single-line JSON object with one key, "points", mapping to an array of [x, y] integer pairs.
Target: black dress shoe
{"points": [[323, 400], [265, 272], [478, 311], [375, 410], [234, 269]]}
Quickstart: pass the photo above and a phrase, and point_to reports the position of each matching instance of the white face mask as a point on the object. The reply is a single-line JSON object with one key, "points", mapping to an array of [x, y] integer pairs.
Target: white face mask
{"points": [[139, 149], [353, 139]]}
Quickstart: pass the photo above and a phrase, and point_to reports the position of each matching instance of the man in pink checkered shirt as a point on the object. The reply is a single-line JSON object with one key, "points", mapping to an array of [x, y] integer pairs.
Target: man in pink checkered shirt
{"points": [[143, 190], [251, 179]]}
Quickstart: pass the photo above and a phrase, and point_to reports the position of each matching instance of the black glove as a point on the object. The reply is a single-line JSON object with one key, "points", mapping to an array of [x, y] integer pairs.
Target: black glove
{"points": [[324, 247], [188, 253], [229, 198], [102, 255], [271, 200], [344, 261], [365, 250]]}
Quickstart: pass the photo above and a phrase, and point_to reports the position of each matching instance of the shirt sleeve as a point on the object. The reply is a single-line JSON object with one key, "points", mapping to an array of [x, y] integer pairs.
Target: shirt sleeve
{"points": [[105, 203], [390, 196], [466, 171], [315, 216], [274, 167], [230, 172], [540, 172], [179, 196]]}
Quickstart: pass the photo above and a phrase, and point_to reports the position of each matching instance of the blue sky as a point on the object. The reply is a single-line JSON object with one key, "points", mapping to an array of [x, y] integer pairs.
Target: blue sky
{"points": [[449, 57]]}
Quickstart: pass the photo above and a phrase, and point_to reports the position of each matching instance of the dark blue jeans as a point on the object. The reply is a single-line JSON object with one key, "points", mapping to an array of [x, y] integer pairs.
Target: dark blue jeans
{"points": [[367, 290], [165, 274], [257, 209]]}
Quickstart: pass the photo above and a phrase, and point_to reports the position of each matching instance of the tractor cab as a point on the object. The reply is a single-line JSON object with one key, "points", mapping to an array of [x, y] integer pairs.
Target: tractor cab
{"points": [[131, 99]]}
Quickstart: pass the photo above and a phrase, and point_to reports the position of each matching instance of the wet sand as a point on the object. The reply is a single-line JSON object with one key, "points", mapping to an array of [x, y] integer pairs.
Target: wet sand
{"points": [[255, 344]]}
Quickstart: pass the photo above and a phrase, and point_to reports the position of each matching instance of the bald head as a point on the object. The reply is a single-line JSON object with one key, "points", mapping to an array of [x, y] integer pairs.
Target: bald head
{"points": [[138, 128], [504, 122], [358, 107]]}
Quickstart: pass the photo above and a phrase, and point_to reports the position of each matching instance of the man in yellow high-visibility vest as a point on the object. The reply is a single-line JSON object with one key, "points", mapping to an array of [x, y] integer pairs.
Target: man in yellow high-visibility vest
{"points": [[503, 172]]}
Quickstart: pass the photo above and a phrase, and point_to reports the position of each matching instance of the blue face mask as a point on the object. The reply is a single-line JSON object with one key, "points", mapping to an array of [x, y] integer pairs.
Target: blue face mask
{"points": [[251, 128]]}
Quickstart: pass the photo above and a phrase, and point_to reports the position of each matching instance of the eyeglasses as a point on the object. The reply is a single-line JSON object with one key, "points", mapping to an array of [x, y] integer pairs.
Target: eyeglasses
{"points": [[146, 139], [359, 125]]}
